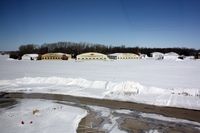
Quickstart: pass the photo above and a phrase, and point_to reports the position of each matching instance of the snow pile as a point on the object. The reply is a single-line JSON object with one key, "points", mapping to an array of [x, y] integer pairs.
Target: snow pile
{"points": [[46, 83], [189, 58], [126, 90], [59, 84], [39, 116], [56, 85]]}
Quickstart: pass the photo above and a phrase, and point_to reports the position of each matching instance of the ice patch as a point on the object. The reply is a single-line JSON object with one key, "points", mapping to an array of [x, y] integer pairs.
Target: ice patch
{"points": [[169, 119], [123, 111], [152, 131], [105, 112]]}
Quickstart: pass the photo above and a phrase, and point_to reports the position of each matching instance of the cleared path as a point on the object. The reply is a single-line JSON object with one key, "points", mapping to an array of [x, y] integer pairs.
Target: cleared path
{"points": [[193, 115]]}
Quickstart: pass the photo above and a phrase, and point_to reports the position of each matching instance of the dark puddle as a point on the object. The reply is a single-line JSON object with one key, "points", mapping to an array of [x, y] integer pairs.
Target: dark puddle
{"points": [[7, 103]]}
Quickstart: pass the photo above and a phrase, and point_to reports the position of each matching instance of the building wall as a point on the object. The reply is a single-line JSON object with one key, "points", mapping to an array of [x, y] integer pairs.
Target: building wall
{"points": [[198, 56], [112, 57], [51, 58], [54, 56], [92, 56], [123, 56]]}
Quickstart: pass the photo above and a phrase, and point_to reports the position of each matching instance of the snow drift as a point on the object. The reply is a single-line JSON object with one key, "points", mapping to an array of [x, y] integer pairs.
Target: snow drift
{"points": [[126, 90]]}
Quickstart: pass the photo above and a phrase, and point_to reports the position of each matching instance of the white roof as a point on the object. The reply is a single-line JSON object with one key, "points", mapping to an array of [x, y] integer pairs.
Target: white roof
{"points": [[31, 55], [171, 54], [60, 53], [56, 54], [91, 53], [157, 53], [117, 54]]}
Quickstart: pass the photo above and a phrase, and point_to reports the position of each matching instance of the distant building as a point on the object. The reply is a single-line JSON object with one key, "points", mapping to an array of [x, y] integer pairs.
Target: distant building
{"points": [[56, 56], [197, 56], [181, 57], [157, 55], [143, 56], [92, 56], [30, 57], [2, 53], [121, 56], [171, 55]]}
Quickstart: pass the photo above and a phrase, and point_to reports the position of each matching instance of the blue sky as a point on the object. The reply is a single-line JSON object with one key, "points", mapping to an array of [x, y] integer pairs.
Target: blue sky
{"points": [[143, 23]]}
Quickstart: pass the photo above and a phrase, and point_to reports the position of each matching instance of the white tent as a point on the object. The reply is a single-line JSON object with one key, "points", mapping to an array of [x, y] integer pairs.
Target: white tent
{"points": [[171, 56], [30, 57], [157, 55], [143, 56]]}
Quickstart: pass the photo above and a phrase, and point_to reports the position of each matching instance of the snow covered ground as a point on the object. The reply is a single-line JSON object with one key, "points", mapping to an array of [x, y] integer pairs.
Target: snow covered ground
{"points": [[164, 82], [40, 116]]}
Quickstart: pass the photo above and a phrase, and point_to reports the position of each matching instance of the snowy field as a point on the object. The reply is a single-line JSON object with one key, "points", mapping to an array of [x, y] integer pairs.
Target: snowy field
{"points": [[40, 116], [165, 82]]}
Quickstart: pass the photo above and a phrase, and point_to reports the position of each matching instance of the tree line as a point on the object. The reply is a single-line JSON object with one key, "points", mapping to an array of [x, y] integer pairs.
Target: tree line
{"points": [[77, 48]]}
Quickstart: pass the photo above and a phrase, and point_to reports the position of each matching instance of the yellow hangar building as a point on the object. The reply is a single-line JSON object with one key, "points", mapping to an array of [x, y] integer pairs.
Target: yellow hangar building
{"points": [[122, 56], [56, 56], [92, 56]]}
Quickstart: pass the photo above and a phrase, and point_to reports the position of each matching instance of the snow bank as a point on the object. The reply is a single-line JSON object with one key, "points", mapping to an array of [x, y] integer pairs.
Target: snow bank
{"points": [[126, 91], [127, 88], [39, 116]]}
